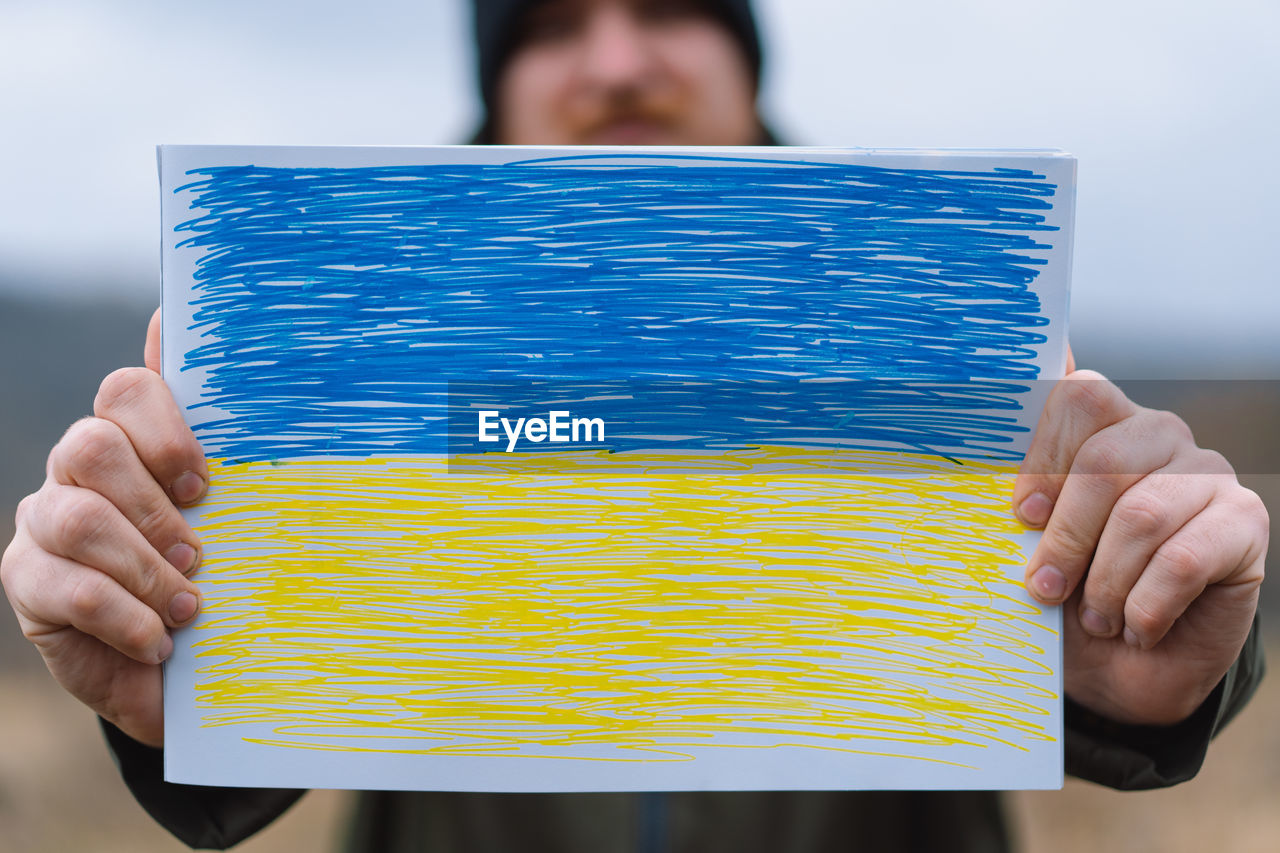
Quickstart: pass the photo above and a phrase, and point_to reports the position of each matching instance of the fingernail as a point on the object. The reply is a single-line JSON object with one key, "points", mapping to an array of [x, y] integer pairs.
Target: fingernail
{"points": [[183, 607], [1036, 509], [188, 488], [166, 648], [1095, 623], [1132, 638], [182, 557], [1050, 583]]}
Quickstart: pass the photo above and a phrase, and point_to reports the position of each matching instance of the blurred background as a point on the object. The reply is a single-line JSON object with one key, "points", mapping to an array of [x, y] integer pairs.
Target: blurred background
{"points": [[1173, 109]]}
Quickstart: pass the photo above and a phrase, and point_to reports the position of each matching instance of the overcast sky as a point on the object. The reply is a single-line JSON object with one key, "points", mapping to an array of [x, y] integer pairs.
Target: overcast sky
{"points": [[1173, 109]]}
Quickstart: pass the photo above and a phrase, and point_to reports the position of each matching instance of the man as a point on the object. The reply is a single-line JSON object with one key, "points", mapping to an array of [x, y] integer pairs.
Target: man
{"points": [[1155, 549]]}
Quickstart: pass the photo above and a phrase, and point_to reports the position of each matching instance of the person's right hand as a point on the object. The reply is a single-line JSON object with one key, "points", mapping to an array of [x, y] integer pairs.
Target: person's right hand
{"points": [[99, 567]]}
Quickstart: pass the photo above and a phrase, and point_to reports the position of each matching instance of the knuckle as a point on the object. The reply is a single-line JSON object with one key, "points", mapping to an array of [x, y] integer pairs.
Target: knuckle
{"points": [[1101, 594], [1141, 515], [1100, 455], [1072, 542], [1092, 398], [1167, 425], [154, 521], [1253, 507], [78, 518], [137, 636], [1144, 617], [90, 608], [121, 389], [25, 507], [9, 563], [1045, 457], [1044, 465], [89, 598], [174, 448], [1181, 564], [1250, 513], [1213, 462], [59, 456], [149, 582], [91, 448]]}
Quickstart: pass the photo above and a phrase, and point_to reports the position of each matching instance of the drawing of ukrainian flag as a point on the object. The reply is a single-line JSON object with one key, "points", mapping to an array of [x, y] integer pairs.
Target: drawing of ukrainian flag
{"points": [[786, 558]]}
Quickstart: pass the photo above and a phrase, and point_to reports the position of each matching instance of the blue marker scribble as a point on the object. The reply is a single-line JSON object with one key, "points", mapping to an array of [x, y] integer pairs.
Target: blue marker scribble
{"points": [[359, 311]]}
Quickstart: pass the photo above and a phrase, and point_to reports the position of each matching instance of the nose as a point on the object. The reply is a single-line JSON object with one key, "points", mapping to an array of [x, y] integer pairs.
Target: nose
{"points": [[616, 49]]}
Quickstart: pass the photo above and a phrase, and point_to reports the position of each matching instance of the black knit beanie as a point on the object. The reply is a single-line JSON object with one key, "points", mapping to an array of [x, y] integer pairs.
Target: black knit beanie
{"points": [[495, 29]]}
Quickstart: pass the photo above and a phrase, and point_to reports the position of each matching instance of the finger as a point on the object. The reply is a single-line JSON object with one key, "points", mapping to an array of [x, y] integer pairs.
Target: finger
{"points": [[96, 454], [1146, 515], [151, 349], [50, 593], [1106, 464], [138, 401], [1205, 552], [83, 527], [1079, 406]]}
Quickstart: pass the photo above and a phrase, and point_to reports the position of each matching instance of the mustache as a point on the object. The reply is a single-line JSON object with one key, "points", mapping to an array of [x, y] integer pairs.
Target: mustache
{"points": [[630, 106]]}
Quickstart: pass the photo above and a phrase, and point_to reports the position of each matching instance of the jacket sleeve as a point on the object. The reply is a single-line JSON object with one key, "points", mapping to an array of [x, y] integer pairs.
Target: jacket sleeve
{"points": [[1140, 757], [201, 817]]}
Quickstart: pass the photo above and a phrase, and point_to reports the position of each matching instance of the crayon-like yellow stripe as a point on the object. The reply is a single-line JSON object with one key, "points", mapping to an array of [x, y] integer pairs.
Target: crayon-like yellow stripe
{"points": [[585, 605]]}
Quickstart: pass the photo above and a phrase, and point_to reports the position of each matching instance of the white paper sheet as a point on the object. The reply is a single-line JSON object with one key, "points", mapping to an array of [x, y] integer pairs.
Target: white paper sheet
{"points": [[785, 559]]}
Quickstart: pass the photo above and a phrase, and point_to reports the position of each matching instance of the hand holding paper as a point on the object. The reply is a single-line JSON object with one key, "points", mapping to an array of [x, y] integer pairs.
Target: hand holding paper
{"points": [[1153, 544], [97, 570]]}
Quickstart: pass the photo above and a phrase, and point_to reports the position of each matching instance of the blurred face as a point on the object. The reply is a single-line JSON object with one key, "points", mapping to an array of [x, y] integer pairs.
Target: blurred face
{"points": [[625, 72]]}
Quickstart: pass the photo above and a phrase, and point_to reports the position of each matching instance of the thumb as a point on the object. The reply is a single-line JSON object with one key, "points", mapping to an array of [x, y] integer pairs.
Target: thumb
{"points": [[151, 351]]}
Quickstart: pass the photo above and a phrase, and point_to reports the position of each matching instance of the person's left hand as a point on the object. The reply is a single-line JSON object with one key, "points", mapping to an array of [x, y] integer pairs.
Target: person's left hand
{"points": [[1150, 542]]}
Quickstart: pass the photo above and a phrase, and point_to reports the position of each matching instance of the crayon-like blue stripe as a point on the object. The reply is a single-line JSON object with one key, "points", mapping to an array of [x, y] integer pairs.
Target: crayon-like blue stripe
{"points": [[346, 309]]}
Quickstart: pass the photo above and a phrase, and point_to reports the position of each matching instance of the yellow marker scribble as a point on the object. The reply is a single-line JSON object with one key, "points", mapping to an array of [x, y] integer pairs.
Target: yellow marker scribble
{"points": [[619, 607]]}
